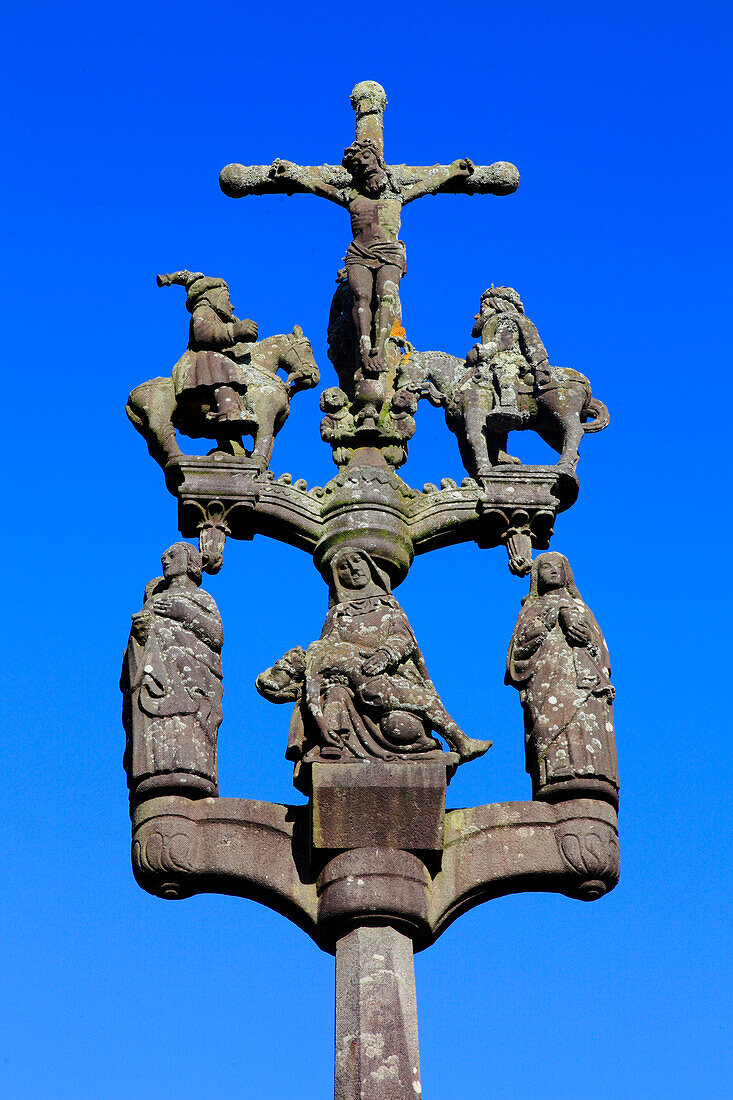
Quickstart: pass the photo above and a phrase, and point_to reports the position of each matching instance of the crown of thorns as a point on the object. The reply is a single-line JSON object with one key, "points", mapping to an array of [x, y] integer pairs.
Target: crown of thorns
{"points": [[365, 145]]}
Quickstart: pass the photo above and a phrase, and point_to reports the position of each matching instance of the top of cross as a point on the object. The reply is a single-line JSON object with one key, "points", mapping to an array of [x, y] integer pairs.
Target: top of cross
{"points": [[368, 99]]}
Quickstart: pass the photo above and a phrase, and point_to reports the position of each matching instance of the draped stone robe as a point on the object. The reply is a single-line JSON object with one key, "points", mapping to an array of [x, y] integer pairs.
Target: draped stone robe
{"points": [[566, 695], [172, 687]]}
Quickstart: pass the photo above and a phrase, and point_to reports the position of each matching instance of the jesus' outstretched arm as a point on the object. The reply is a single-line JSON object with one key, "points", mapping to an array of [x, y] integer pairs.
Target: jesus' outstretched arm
{"points": [[282, 177], [462, 177]]}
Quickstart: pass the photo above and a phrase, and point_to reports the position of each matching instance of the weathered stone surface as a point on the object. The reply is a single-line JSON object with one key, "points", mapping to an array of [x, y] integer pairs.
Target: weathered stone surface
{"points": [[366, 311], [378, 804], [240, 846], [377, 1054], [506, 383], [559, 663], [368, 885], [374, 867], [509, 847], [365, 692], [234, 492], [171, 682], [225, 386], [261, 851]]}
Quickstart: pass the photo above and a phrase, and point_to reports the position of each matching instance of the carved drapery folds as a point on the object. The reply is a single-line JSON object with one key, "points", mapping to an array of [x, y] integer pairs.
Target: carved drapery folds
{"points": [[362, 690], [369, 732], [172, 683], [559, 663]]}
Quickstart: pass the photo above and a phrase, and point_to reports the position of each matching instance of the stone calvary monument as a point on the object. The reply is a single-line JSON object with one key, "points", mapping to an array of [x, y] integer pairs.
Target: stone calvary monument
{"points": [[373, 867]]}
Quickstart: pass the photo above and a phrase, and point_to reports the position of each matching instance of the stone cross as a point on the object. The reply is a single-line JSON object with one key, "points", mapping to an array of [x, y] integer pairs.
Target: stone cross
{"points": [[374, 194], [368, 100], [374, 867]]}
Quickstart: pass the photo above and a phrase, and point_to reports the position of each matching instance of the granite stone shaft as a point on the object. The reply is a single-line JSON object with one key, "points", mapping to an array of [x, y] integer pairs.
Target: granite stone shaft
{"points": [[376, 1017]]}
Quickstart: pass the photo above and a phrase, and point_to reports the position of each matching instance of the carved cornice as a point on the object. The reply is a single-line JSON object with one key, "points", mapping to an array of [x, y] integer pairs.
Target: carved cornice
{"points": [[515, 506]]}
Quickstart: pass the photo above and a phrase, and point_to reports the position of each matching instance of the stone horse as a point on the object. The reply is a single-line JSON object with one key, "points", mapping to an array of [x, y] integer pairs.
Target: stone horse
{"points": [[156, 411], [561, 412]]}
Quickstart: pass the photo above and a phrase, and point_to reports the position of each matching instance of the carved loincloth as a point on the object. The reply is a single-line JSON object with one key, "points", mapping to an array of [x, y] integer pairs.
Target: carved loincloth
{"points": [[378, 254]]}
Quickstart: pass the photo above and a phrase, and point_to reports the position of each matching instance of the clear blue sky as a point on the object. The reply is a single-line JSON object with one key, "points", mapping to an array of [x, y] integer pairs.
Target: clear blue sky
{"points": [[118, 119]]}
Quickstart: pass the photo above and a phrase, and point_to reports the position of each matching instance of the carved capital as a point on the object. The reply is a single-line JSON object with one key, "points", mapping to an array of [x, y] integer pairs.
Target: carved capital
{"points": [[162, 858], [590, 850], [518, 529]]}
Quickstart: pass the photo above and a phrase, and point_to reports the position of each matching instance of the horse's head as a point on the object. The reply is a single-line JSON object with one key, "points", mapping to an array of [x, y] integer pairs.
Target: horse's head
{"points": [[296, 356], [432, 375]]}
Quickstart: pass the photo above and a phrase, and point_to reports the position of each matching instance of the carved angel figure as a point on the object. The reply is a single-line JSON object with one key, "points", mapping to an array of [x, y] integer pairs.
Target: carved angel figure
{"points": [[172, 682], [363, 688], [559, 663]]}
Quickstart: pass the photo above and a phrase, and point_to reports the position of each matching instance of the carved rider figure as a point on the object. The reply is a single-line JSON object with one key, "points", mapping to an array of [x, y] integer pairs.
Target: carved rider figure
{"points": [[172, 682], [207, 372], [559, 663], [366, 692], [509, 351]]}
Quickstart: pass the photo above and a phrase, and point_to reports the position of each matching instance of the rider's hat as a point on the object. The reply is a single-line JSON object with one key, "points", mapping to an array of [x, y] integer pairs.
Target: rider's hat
{"points": [[196, 284]]}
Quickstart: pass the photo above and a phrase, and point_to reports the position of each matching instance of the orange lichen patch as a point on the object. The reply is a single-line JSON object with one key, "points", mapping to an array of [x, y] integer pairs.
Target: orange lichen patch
{"points": [[398, 333]]}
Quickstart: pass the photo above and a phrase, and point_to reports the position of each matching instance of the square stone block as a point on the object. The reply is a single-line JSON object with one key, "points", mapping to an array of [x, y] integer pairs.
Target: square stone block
{"points": [[379, 804]]}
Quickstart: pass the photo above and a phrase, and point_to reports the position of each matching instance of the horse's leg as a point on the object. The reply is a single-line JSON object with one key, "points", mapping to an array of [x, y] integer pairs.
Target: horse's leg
{"points": [[467, 423], [497, 444], [572, 428], [270, 419], [150, 407], [558, 423]]}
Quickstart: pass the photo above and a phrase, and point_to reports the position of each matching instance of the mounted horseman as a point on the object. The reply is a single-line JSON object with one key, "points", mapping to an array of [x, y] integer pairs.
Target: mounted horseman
{"points": [[207, 375], [225, 385], [505, 384]]}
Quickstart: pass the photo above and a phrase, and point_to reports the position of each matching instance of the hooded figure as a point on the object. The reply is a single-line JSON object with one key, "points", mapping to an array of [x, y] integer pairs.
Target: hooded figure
{"points": [[172, 681], [559, 663], [365, 691]]}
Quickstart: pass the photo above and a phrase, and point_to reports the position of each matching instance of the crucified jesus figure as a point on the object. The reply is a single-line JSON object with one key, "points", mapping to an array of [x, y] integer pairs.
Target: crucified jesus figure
{"points": [[374, 195]]}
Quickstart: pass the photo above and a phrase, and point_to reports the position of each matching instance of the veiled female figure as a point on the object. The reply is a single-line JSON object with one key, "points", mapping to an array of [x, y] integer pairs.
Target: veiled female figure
{"points": [[559, 663], [367, 693], [172, 682]]}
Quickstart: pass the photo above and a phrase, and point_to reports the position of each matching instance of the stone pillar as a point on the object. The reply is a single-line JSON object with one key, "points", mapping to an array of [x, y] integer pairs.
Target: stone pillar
{"points": [[376, 1016]]}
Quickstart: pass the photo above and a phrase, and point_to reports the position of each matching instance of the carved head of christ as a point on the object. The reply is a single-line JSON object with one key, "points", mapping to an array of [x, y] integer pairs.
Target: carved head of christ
{"points": [[364, 163]]}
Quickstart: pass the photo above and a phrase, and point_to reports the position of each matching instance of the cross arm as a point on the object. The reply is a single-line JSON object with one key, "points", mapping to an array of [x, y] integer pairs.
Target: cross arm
{"points": [[282, 177], [462, 177]]}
